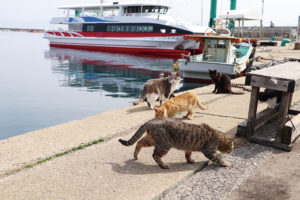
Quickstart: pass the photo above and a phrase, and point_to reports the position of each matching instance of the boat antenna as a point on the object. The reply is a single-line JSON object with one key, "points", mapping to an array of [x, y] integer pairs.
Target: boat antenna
{"points": [[201, 12]]}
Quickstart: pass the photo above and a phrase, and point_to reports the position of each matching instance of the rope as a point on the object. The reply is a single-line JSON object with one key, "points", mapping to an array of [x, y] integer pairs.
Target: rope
{"points": [[241, 86], [290, 119]]}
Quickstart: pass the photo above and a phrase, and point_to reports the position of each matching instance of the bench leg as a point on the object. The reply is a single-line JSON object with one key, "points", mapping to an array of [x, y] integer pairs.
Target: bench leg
{"points": [[283, 111], [252, 111]]}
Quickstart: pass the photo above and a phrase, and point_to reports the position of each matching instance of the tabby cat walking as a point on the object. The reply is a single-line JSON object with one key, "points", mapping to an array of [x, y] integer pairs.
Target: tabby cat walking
{"points": [[166, 133]]}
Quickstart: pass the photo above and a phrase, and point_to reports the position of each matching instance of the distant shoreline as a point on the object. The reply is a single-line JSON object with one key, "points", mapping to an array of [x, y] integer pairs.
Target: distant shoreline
{"points": [[30, 30]]}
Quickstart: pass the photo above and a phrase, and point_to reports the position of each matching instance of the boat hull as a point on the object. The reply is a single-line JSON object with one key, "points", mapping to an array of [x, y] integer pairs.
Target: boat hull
{"points": [[157, 45], [198, 71]]}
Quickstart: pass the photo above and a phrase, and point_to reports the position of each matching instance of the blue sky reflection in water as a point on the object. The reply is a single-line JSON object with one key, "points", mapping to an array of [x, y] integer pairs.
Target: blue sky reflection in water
{"points": [[42, 86]]}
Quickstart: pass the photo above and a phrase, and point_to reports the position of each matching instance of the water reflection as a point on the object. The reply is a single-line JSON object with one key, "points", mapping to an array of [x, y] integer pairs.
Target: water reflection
{"points": [[117, 75]]}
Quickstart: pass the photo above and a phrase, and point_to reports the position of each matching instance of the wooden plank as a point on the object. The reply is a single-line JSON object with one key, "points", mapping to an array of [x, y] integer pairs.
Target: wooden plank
{"points": [[271, 143], [270, 83], [283, 111], [248, 79], [252, 111], [288, 70], [291, 130]]}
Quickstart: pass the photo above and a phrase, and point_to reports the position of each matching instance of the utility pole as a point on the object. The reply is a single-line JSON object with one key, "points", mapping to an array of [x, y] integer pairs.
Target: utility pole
{"points": [[261, 21], [297, 44], [213, 12], [232, 22]]}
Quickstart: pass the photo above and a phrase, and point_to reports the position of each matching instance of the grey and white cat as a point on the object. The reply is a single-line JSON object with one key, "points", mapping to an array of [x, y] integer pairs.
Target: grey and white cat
{"points": [[160, 88], [271, 97]]}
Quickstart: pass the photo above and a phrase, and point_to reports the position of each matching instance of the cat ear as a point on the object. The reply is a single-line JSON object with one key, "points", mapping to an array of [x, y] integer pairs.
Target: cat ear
{"points": [[169, 73], [178, 73]]}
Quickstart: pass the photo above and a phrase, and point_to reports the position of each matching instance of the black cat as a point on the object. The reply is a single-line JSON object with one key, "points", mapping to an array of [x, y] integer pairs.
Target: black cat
{"points": [[222, 82], [271, 97]]}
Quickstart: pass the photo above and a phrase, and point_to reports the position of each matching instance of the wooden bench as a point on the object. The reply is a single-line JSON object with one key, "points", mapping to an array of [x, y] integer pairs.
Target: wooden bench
{"points": [[286, 78]]}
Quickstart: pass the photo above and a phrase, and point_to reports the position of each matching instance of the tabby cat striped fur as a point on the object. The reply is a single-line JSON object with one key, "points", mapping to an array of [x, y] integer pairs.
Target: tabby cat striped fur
{"points": [[166, 133]]}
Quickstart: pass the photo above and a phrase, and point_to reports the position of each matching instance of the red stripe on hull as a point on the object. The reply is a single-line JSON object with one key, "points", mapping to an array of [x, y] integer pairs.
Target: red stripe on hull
{"points": [[121, 34], [170, 53]]}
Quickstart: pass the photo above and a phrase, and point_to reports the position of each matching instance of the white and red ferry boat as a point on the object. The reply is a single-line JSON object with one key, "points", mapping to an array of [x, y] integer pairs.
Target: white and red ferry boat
{"points": [[140, 27]]}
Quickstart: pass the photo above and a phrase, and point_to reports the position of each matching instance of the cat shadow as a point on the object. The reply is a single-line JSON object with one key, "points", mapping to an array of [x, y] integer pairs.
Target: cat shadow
{"points": [[205, 93], [138, 109], [137, 167]]}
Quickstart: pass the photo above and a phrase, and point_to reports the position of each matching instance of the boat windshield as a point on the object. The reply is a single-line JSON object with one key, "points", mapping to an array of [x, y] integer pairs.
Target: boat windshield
{"points": [[146, 9]]}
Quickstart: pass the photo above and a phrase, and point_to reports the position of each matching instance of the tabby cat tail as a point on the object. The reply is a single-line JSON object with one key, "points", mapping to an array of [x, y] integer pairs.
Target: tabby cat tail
{"points": [[135, 137]]}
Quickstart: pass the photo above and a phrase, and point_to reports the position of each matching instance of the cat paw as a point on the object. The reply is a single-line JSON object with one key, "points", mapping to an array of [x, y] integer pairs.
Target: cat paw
{"points": [[224, 164], [164, 166], [190, 161]]}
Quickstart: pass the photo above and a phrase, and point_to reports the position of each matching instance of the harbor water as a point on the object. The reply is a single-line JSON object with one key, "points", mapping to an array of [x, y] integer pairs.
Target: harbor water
{"points": [[42, 86]]}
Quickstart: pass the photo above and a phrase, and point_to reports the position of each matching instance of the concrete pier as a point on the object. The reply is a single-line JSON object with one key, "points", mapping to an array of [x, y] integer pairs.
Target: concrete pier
{"points": [[106, 170]]}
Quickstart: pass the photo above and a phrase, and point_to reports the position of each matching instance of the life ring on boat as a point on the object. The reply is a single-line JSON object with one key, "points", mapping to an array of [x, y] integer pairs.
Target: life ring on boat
{"points": [[220, 31]]}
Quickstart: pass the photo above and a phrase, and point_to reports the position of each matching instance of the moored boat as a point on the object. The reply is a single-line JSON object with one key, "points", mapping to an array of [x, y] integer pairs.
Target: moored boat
{"points": [[142, 27], [223, 53]]}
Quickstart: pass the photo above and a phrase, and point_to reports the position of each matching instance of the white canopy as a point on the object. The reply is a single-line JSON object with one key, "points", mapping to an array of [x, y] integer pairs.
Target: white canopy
{"points": [[241, 15]]}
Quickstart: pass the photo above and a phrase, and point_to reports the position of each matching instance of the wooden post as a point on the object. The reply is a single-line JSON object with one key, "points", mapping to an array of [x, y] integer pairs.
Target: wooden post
{"points": [[283, 111], [252, 111]]}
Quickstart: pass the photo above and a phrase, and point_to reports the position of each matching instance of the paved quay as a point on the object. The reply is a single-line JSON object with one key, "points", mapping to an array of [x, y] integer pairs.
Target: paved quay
{"points": [[106, 170]]}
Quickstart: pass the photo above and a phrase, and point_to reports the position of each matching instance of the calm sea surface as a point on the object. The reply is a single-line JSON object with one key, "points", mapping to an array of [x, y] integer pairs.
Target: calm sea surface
{"points": [[42, 86]]}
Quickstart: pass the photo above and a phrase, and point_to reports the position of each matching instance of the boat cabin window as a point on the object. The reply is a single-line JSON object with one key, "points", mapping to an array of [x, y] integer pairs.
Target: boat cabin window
{"points": [[78, 12], [216, 50], [90, 28], [155, 9], [91, 12], [211, 43], [110, 11], [133, 9], [130, 28], [221, 44], [75, 27]]}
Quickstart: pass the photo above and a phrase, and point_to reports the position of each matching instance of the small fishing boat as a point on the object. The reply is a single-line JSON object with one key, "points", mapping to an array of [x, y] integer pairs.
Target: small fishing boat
{"points": [[223, 53]]}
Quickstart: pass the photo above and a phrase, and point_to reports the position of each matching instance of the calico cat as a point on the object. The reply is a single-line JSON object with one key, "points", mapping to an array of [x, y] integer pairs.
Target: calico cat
{"points": [[161, 88], [271, 97], [222, 82], [181, 103], [166, 133]]}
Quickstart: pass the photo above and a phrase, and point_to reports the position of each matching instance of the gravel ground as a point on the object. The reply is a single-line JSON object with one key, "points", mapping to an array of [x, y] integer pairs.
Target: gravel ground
{"points": [[214, 182]]}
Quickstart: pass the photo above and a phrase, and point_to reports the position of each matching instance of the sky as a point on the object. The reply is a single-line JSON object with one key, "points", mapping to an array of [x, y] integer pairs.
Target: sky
{"points": [[37, 13]]}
